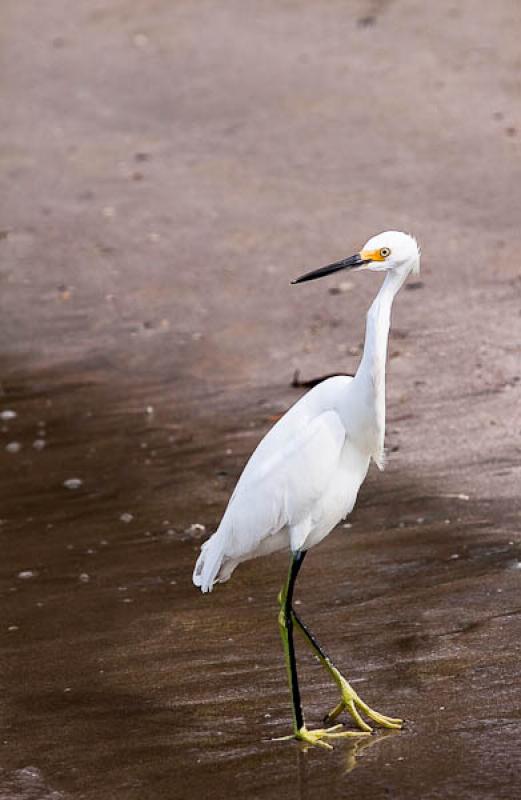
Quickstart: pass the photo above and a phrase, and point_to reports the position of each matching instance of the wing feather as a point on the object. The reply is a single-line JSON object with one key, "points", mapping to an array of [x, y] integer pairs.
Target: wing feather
{"points": [[281, 484]]}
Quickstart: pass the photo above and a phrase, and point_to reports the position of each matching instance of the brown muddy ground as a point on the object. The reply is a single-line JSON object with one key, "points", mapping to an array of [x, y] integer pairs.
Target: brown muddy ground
{"points": [[166, 168]]}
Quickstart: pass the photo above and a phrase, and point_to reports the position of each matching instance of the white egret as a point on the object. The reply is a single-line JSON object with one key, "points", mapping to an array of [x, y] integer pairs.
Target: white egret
{"points": [[304, 476]]}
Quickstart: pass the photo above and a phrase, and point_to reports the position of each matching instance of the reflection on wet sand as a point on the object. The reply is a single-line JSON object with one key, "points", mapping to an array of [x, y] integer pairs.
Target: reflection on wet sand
{"points": [[357, 747], [351, 750]]}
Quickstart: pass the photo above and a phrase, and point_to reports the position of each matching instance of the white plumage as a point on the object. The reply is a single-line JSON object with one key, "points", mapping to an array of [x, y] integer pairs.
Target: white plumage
{"points": [[305, 474]]}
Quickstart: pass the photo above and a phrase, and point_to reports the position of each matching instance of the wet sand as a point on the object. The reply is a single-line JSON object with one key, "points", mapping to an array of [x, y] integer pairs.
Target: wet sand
{"points": [[166, 170]]}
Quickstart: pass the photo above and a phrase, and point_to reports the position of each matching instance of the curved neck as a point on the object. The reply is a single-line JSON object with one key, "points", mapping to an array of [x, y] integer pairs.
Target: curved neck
{"points": [[378, 323], [368, 424]]}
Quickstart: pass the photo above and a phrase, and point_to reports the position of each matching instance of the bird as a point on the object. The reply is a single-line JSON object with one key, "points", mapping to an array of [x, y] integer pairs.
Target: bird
{"points": [[303, 479]]}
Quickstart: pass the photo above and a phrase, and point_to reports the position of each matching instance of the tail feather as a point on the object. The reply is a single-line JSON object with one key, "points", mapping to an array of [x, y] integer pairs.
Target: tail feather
{"points": [[209, 563]]}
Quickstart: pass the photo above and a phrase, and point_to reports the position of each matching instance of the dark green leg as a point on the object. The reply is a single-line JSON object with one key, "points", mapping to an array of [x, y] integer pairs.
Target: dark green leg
{"points": [[322, 655], [286, 618], [286, 632]]}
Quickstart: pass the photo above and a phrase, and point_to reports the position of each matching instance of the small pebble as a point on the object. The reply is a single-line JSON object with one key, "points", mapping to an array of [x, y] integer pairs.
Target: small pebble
{"points": [[84, 577], [73, 483], [126, 517], [39, 444], [13, 447], [12, 628], [7, 414], [25, 574], [195, 528]]}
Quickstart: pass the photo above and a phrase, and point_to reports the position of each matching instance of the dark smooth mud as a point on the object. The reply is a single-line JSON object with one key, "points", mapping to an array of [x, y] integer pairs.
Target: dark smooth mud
{"points": [[119, 679], [166, 170]]}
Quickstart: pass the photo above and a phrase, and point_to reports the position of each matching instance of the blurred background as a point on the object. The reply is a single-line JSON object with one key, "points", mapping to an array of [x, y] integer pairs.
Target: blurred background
{"points": [[167, 168]]}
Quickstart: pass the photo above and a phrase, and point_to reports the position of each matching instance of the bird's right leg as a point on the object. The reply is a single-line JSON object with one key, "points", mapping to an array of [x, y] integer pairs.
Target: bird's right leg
{"points": [[286, 616], [350, 701]]}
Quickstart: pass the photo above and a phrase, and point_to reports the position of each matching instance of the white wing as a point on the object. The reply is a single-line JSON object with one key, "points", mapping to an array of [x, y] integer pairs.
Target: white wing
{"points": [[323, 397], [281, 484], [287, 473]]}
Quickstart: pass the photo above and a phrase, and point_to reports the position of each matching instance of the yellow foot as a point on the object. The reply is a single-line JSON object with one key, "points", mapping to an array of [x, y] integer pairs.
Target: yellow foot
{"points": [[353, 704], [316, 737]]}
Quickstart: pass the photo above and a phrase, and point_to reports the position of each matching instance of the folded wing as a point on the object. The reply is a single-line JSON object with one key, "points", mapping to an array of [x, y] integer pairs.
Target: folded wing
{"points": [[280, 486]]}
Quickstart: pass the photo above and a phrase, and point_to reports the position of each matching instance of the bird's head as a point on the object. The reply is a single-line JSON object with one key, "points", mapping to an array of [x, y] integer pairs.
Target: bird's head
{"points": [[386, 252]]}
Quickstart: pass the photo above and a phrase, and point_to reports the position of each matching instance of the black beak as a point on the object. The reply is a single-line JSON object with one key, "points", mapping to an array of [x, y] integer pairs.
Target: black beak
{"points": [[346, 263]]}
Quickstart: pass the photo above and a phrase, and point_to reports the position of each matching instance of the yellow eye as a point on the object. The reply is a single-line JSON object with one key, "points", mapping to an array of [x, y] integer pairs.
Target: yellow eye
{"points": [[384, 252]]}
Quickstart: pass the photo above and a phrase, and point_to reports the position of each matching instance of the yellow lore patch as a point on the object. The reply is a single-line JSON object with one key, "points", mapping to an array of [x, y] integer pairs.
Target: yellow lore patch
{"points": [[374, 255]]}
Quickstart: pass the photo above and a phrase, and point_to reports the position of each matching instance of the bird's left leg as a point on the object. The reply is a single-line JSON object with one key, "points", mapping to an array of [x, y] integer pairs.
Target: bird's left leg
{"points": [[286, 631], [350, 701]]}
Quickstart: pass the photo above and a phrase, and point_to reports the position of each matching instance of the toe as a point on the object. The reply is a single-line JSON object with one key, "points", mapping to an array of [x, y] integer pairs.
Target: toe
{"points": [[386, 722], [362, 724]]}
